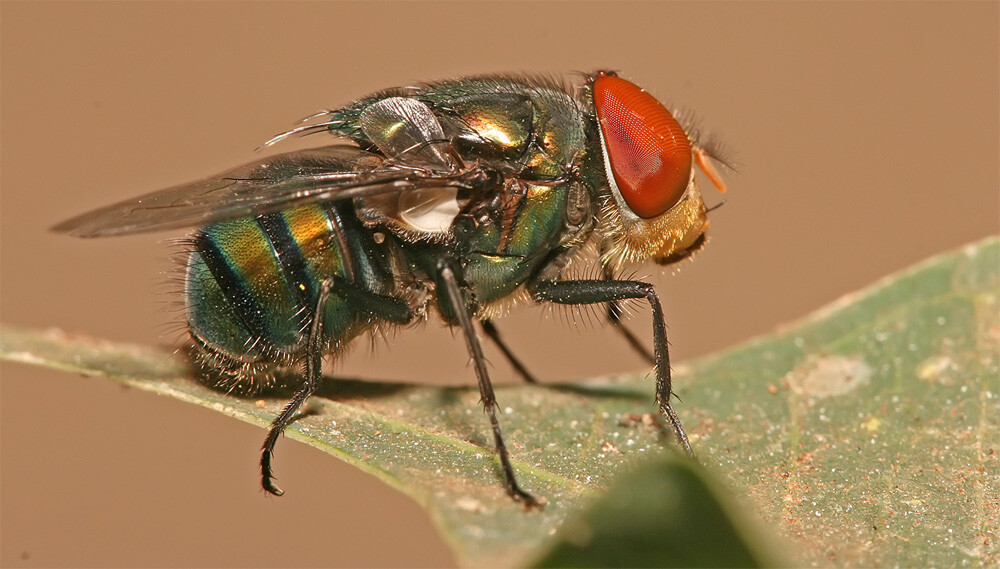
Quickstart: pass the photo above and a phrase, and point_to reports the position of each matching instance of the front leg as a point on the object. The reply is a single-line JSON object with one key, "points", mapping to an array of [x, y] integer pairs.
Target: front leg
{"points": [[612, 291]]}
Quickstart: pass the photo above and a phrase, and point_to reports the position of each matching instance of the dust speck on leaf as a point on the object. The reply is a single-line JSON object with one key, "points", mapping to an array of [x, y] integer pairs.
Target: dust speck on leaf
{"points": [[829, 376], [469, 504], [872, 425], [936, 369]]}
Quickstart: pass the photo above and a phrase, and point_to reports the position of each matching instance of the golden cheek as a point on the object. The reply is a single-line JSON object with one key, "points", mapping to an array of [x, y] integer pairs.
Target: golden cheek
{"points": [[682, 229], [661, 237]]}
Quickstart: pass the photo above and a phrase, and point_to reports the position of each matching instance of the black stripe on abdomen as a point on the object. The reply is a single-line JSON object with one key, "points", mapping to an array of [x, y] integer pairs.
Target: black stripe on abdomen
{"points": [[289, 255], [233, 285]]}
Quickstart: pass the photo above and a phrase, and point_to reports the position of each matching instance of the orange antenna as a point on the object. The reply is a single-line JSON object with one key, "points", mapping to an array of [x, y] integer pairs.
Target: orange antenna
{"points": [[704, 161]]}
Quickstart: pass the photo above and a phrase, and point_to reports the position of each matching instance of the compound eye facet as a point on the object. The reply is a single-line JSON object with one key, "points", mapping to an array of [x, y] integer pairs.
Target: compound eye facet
{"points": [[648, 152]]}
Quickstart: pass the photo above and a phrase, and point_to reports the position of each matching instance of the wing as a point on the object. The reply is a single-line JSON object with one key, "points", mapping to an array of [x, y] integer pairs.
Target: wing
{"points": [[404, 130]]}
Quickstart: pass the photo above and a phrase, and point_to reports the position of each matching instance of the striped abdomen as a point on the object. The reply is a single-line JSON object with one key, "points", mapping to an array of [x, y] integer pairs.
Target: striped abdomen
{"points": [[252, 283]]}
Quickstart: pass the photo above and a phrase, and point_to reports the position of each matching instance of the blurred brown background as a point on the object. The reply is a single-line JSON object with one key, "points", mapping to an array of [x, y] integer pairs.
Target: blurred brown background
{"points": [[866, 137]]}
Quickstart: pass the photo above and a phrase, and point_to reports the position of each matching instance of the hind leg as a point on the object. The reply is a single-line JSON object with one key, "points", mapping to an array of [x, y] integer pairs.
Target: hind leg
{"points": [[382, 307]]}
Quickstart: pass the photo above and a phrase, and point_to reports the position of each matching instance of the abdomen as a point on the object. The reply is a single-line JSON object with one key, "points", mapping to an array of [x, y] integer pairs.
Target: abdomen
{"points": [[252, 284]]}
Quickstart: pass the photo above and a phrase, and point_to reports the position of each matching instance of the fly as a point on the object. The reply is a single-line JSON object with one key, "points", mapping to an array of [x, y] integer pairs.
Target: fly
{"points": [[455, 197]]}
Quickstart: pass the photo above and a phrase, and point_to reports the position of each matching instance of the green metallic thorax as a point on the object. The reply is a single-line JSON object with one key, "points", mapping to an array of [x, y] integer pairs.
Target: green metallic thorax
{"points": [[537, 134]]}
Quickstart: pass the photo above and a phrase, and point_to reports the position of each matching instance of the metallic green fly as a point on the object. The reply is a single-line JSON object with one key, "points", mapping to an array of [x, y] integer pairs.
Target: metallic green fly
{"points": [[459, 197]]}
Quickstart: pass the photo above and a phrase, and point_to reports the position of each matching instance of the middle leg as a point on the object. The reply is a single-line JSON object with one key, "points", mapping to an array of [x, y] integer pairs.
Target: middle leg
{"points": [[460, 308]]}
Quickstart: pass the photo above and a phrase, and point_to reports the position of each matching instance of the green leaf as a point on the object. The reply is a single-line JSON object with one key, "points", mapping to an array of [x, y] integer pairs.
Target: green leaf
{"points": [[868, 434], [865, 435], [432, 443], [664, 513]]}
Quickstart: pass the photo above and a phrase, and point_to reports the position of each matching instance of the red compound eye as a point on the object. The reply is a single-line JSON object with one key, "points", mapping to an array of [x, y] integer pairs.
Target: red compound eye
{"points": [[649, 152]]}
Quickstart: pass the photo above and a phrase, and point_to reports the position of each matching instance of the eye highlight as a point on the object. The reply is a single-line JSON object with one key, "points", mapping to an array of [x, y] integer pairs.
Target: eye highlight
{"points": [[647, 151]]}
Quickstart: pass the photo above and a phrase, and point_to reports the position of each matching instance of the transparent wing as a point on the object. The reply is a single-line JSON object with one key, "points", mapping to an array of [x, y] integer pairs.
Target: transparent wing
{"points": [[271, 184], [413, 155]]}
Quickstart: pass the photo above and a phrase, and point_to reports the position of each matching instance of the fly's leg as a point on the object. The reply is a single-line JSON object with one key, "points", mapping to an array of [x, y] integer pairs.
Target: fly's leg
{"points": [[314, 369], [493, 334], [378, 306], [459, 307], [614, 315], [593, 291]]}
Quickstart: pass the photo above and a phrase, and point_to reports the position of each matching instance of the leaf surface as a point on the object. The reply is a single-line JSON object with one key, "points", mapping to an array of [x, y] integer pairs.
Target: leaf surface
{"points": [[868, 434]]}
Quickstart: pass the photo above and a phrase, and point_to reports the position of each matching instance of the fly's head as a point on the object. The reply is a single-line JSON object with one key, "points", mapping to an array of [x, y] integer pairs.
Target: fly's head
{"points": [[654, 209]]}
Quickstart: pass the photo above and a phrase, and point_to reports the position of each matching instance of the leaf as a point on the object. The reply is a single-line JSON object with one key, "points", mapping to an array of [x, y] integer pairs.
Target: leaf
{"points": [[664, 513], [866, 434], [432, 443]]}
